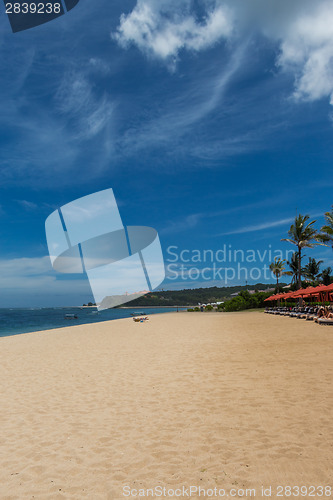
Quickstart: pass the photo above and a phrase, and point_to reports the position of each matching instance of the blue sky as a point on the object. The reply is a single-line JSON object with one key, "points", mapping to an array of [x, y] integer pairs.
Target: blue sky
{"points": [[211, 120]]}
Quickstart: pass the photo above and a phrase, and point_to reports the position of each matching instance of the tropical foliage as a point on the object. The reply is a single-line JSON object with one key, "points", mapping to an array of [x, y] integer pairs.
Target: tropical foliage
{"points": [[245, 300], [326, 276], [312, 270], [194, 296], [326, 234], [278, 269], [302, 234], [293, 266]]}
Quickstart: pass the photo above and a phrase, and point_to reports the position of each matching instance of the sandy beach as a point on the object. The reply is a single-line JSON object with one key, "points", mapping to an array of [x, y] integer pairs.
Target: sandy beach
{"points": [[228, 401]]}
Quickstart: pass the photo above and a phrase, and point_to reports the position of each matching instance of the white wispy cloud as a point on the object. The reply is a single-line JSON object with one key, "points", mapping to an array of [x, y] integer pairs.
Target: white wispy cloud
{"points": [[269, 224], [258, 227], [307, 49], [178, 226], [183, 112], [162, 28], [192, 220], [27, 205], [75, 98], [23, 267], [32, 281], [51, 128], [302, 29]]}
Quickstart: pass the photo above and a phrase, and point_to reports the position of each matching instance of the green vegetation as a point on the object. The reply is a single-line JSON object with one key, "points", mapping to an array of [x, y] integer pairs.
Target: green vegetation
{"points": [[246, 301], [293, 266], [326, 276], [278, 269], [326, 234], [312, 270], [193, 297], [302, 234]]}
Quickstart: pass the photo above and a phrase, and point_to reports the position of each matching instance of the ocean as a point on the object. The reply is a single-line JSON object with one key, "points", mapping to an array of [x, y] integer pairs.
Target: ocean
{"points": [[17, 321]]}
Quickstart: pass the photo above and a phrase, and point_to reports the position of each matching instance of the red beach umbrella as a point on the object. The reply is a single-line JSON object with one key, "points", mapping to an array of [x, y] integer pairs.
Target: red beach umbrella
{"points": [[289, 295], [272, 297]]}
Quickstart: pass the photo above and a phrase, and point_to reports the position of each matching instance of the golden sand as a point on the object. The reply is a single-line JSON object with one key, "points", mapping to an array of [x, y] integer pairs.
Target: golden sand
{"points": [[232, 401]]}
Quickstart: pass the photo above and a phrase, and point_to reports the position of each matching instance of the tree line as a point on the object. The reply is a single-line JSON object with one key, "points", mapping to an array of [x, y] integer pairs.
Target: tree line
{"points": [[303, 234]]}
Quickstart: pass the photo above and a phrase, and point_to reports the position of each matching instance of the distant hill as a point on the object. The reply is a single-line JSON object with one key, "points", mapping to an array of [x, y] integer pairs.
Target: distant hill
{"points": [[193, 297]]}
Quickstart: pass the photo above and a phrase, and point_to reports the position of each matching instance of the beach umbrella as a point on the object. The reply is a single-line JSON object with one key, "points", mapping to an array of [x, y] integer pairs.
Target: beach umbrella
{"points": [[282, 296], [285, 296], [289, 295], [310, 290], [315, 292], [322, 291], [300, 294], [271, 298], [325, 292]]}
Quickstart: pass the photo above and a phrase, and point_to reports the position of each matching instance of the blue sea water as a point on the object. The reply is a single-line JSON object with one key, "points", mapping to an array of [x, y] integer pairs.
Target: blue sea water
{"points": [[16, 321]]}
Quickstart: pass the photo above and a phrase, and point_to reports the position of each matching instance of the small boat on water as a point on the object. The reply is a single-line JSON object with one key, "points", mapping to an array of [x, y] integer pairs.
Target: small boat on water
{"points": [[71, 316], [137, 313]]}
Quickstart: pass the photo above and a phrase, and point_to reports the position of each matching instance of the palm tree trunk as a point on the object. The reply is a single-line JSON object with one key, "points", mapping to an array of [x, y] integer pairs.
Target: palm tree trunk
{"points": [[299, 268]]}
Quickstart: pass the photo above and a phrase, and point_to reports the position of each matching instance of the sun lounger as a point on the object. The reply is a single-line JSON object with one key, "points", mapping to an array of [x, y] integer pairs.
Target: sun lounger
{"points": [[325, 321]]}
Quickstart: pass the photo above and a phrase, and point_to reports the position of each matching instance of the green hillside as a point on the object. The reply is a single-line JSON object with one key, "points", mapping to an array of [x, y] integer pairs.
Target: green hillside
{"points": [[192, 297]]}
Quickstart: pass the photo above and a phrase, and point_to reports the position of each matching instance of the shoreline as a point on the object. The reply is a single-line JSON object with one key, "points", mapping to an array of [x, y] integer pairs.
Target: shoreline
{"points": [[20, 321], [154, 307]]}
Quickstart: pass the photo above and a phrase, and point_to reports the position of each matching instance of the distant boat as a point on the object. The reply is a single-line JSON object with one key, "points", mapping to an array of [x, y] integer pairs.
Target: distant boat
{"points": [[137, 313], [71, 316]]}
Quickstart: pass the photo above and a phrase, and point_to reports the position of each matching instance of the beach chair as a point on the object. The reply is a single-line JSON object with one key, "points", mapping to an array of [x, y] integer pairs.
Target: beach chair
{"points": [[325, 321], [310, 314], [320, 314], [293, 312], [302, 313]]}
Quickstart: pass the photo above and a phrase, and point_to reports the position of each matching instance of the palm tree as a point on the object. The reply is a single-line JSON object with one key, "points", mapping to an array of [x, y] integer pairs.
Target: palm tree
{"points": [[326, 235], [293, 265], [312, 269], [326, 276], [302, 235], [278, 269]]}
